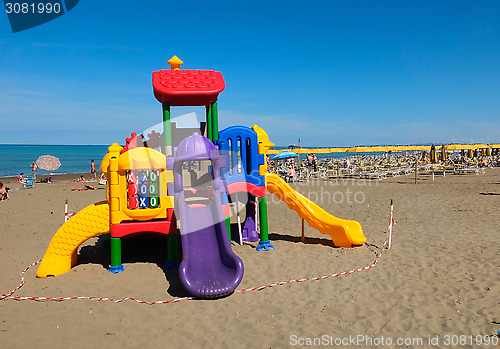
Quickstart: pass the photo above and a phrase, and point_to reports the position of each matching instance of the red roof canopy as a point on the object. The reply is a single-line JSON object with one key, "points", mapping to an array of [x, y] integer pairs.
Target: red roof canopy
{"points": [[187, 87]]}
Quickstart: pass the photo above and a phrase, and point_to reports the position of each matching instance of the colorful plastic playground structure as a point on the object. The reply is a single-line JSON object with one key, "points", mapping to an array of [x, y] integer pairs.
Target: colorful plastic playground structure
{"points": [[186, 181]]}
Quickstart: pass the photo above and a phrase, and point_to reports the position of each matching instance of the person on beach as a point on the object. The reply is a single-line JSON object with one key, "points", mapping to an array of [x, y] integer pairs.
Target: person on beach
{"points": [[81, 179], [92, 169], [309, 159], [291, 172], [347, 163], [484, 163], [46, 180], [309, 162], [315, 163], [21, 178], [3, 192], [35, 168], [424, 157], [102, 179]]}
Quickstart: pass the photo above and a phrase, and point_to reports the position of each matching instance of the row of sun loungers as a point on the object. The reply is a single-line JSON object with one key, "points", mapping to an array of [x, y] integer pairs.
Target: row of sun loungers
{"points": [[378, 169], [468, 170]]}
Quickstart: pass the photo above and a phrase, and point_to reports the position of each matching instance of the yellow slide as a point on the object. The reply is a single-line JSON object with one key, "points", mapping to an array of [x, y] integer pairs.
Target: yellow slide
{"points": [[61, 254], [344, 233]]}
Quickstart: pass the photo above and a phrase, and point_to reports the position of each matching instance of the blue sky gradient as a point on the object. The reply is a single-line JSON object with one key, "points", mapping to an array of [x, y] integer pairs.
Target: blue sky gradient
{"points": [[334, 73]]}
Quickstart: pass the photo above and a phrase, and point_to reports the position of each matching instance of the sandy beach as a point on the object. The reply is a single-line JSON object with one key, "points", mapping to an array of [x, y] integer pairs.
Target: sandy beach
{"points": [[438, 284]]}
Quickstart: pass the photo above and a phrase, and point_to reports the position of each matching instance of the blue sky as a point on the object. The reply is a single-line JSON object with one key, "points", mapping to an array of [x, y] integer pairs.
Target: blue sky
{"points": [[334, 73]]}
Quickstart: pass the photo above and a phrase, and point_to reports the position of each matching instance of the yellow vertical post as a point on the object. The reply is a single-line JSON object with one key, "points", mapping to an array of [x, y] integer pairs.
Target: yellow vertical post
{"points": [[113, 181], [114, 205]]}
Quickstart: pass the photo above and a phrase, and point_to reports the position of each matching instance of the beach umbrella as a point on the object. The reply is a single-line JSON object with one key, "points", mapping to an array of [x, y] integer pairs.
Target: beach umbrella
{"points": [[273, 151], [433, 154], [336, 150], [443, 153], [285, 155], [494, 146], [360, 149], [480, 146], [400, 148], [374, 149], [48, 163], [454, 147]]}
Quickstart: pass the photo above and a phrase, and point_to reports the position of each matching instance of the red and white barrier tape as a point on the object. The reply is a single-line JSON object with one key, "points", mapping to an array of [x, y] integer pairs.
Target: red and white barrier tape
{"points": [[67, 216], [175, 300]]}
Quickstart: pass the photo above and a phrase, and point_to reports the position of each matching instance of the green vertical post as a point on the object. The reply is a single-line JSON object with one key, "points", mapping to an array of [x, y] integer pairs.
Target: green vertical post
{"points": [[264, 243], [209, 122], [167, 130], [264, 228], [172, 248], [228, 227], [116, 252], [215, 122]]}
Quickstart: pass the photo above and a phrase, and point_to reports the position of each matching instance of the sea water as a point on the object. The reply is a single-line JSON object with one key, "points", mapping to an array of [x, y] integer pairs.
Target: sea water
{"points": [[17, 158]]}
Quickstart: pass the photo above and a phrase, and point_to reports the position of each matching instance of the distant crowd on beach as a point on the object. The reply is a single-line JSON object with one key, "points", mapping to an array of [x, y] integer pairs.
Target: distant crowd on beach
{"points": [[30, 180], [296, 168]]}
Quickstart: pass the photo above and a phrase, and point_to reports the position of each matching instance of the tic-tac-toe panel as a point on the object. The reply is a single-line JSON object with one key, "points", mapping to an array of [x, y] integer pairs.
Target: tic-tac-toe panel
{"points": [[143, 189]]}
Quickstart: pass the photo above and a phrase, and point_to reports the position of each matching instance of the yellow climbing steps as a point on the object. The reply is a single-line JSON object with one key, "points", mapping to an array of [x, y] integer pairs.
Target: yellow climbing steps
{"points": [[62, 251]]}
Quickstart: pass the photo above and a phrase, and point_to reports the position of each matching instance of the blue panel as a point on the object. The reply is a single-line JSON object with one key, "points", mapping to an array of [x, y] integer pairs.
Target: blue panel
{"points": [[143, 176], [143, 189], [143, 202], [250, 158]]}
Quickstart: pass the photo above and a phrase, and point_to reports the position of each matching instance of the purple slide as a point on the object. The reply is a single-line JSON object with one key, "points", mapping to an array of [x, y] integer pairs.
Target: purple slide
{"points": [[209, 267]]}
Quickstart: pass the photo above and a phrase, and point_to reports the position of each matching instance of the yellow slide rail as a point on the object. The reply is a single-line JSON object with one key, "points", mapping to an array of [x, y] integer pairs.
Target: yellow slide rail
{"points": [[344, 233]]}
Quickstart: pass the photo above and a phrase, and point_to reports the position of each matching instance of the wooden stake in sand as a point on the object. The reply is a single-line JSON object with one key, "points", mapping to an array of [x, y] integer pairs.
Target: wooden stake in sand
{"points": [[67, 215], [66, 211], [416, 170], [303, 237], [390, 227]]}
